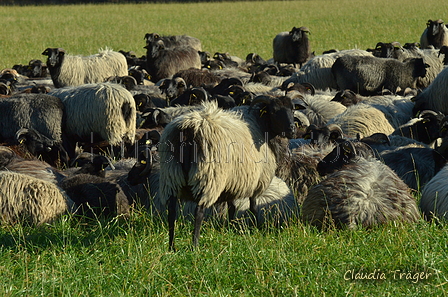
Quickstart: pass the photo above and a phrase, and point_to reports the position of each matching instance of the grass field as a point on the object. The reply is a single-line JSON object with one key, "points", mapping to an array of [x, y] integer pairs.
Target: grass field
{"points": [[131, 258]]}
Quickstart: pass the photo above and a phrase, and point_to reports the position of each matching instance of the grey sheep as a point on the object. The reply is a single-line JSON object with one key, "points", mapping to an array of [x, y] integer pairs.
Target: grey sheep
{"points": [[171, 41], [434, 199], [370, 75], [363, 193], [106, 110], [212, 155], [292, 47], [317, 71], [29, 200], [436, 34], [164, 62], [69, 70], [433, 97], [414, 165]]}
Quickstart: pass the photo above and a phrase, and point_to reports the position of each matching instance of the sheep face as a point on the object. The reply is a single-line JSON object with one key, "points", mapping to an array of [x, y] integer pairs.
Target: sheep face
{"points": [[419, 67], [55, 56], [281, 117], [434, 27], [298, 34]]}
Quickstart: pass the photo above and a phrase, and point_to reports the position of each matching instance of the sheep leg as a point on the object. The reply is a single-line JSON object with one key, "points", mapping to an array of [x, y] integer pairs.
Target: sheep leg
{"points": [[172, 204], [198, 218], [231, 209], [253, 210]]}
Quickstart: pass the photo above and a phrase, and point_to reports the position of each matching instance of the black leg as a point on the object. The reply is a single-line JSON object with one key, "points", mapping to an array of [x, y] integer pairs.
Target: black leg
{"points": [[231, 210], [172, 204], [253, 210], [198, 218]]}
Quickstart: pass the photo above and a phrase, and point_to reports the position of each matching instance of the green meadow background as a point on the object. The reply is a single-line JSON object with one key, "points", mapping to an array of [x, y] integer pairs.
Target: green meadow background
{"points": [[131, 258], [235, 27]]}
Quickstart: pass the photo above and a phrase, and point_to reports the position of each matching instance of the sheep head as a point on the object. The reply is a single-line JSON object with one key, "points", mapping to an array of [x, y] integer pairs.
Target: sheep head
{"points": [[298, 34], [434, 26], [276, 114], [55, 56]]}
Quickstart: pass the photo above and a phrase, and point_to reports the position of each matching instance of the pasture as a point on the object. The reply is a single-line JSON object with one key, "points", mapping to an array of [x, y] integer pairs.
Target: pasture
{"points": [[131, 258]]}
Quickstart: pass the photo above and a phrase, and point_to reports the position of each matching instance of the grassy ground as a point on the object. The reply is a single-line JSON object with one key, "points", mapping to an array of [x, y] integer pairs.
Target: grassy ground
{"points": [[131, 258], [235, 27]]}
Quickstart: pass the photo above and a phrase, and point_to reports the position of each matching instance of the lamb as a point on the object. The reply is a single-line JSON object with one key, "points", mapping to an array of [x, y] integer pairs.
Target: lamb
{"points": [[370, 75], [164, 62], [436, 34], [433, 97], [292, 47], [106, 111], [433, 201], [29, 200], [171, 41], [69, 70], [363, 193], [191, 155]]}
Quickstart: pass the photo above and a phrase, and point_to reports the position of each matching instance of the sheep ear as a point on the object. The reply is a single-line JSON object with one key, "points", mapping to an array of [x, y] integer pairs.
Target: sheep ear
{"points": [[46, 52]]}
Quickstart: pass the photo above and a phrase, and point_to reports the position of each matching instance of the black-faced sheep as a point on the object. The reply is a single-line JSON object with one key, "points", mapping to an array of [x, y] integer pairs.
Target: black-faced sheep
{"points": [[201, 153], [363, 193], [434, 96], [164, 62], [436, 34], [106, 111], [29, 200], [69, 70], [171, 41], [317, 70], [292, 47], [370, 75]]}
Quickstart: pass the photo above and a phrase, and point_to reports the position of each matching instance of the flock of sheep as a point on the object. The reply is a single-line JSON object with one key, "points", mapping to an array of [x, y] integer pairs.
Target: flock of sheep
{"points": [[344, 139]]}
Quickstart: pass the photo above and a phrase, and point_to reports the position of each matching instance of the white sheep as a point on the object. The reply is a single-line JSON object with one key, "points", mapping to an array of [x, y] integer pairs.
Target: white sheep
{"points": [[362, 119], [105, 109], [25, 199], [211, 155], [69, 70]]}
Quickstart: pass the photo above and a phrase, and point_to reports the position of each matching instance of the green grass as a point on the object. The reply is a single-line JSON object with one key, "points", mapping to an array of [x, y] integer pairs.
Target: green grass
{"points": [[235, 27], [131, 258]]}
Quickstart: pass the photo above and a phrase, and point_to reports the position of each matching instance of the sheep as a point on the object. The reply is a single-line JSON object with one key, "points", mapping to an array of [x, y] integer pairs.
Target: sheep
{"points": [[363, 193], [369, 75], [95, 196], [425, 128], [317, 71], [362, 119], [433, 97], [414, 165], [103, 110], [436, 34], [164, 62], [197, 77], [320, 109], [11, 161], [41, 113], [69, 70], [292, 47], [171, 41], [29, 200], [195, 167], [433, 201], [430, 56]]}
